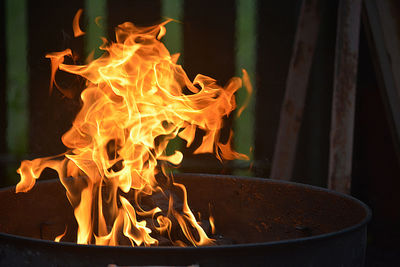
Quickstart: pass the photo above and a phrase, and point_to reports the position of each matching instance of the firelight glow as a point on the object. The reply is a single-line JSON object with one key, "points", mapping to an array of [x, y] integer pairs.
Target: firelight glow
{"points": [[136, 100]]}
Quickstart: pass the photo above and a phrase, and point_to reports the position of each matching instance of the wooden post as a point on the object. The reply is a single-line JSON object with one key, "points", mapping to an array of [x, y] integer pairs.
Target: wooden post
{"points": [[246, 53], [95, 9], [16, 31], [390, 28], [344, 90], [382, 26], [296, 90], [173, 40], [3, 95], [17, 77]]}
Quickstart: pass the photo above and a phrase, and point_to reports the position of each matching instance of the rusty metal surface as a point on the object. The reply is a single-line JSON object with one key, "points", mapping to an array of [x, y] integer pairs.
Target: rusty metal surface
{"points": [[344, 91], [273, 223], [295, 92]]}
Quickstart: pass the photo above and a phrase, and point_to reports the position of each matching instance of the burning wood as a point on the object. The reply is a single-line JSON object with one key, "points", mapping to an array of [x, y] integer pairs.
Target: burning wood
{"points": [[136, 100]]}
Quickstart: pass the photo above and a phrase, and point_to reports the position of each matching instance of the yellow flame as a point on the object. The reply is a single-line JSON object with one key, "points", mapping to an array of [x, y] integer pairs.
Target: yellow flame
{"points": [[212, 224], [59, 237], [133, 105]]}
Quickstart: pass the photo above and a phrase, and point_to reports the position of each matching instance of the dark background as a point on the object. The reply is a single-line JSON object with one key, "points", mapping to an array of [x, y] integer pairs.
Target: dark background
{"points": [[208, 43]]}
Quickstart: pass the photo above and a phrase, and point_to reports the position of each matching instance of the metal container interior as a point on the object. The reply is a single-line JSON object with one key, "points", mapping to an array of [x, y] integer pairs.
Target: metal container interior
{"points": [[272, 223]]}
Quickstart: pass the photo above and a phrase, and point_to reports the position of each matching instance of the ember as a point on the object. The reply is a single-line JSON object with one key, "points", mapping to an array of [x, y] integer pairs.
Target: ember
{"points": [[136, 100]]}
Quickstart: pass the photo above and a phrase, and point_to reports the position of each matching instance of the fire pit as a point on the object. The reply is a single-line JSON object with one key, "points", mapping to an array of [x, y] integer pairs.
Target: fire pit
{"points": [[117, 201], [266, 222]]}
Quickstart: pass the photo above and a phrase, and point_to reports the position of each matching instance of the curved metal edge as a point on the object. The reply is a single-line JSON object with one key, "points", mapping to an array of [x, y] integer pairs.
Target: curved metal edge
{"points": [[233, 246]]}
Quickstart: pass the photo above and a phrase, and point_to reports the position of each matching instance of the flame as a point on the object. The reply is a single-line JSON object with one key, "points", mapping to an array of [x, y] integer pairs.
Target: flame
{"points": [[75, 24], [212, 224], [59, 237], [133, 105]]}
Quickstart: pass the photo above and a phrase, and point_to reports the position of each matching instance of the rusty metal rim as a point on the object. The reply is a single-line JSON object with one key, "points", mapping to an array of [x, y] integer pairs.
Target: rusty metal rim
{"points": [[343, 231]]}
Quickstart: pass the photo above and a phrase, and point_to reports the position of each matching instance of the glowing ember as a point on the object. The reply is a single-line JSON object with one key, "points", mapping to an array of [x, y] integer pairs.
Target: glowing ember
{"points": [[133, 105]]}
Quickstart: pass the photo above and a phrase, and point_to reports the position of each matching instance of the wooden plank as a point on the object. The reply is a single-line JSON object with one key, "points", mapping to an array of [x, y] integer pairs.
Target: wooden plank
{"points": [[17, 77], [295, 92], [3, 107], [246, 53], [173, 40], [344, 91], [96, 16], [3, 84], [382, 26], [312, 155], [390, 28], [17, 85]]}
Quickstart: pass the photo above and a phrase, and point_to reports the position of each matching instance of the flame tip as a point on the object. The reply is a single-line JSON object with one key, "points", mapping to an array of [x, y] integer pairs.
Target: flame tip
{"points": [[75, 24]]}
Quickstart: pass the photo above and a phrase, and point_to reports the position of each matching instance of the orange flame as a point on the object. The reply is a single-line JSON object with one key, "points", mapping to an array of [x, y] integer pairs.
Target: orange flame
{"points": [[75, 24], [133, 105], [59, 237], [212, 224]]}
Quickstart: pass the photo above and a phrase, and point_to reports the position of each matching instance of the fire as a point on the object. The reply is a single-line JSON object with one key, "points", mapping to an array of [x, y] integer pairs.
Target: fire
{"points": [[75, 24], [59, 237], [137, 99]]}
